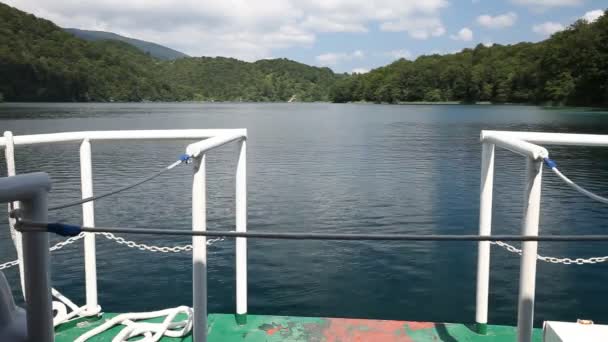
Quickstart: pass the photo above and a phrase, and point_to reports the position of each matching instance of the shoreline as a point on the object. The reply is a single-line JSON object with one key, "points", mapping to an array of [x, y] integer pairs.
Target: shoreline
{"points": [[413, 103]]}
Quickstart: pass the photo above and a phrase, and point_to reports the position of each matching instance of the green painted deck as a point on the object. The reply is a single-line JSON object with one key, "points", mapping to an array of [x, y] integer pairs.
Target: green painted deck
{"points": [[223, 328]]}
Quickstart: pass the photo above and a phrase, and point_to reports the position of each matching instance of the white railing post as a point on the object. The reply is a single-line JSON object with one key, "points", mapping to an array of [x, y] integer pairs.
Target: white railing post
{"points": [[527, 272], [88, 219], [485, 228], [241, 226], [9, 156], [199, 251]]}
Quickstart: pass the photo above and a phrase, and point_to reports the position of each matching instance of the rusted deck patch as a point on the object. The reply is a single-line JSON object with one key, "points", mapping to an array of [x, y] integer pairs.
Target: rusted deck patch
{"points": [[339, 329], [271, 329], [420, 325]]}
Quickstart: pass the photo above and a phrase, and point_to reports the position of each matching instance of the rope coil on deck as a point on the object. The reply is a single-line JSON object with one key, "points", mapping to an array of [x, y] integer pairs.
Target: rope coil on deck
{"points": [[63, 303], [150, 331]]}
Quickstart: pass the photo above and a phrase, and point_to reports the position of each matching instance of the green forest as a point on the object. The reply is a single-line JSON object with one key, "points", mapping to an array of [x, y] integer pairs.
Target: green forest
{"points": [[570, 68], [39, 61]]}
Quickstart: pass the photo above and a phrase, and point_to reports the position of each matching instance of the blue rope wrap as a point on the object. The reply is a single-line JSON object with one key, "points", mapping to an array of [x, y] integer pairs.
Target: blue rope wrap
{"points": [[185, 158], [63, 229], [550, 163]]}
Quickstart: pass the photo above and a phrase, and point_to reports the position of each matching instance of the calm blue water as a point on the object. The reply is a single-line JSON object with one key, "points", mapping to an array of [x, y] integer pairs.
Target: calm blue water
{"points": [[327, 168]]}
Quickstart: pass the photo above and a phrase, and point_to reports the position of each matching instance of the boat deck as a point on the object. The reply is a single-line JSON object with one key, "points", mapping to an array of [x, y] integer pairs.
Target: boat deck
{"points": [[223, 327]]}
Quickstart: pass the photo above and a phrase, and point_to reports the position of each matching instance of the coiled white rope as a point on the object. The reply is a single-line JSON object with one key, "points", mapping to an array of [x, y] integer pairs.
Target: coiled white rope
{"points": [[61, 306], [151, 332]]}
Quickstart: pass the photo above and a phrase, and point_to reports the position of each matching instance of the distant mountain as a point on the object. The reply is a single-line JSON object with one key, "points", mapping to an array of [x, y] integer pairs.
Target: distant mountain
{"points": [[155, 50]]}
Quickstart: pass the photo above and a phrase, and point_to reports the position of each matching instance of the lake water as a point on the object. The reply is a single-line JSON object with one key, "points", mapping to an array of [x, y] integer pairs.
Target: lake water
{"points": [[326, 168]]}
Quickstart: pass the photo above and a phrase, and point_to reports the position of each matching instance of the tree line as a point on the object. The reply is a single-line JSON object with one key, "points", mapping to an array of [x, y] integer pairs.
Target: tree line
{"points": [[569, 68], [41, 62]]}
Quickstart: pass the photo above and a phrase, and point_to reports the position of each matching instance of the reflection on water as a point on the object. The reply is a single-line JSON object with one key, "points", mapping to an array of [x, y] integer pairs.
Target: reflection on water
{"points": [[331, 168]]}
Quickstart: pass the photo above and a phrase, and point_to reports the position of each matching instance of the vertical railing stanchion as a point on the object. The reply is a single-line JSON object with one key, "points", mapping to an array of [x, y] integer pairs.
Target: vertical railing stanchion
{"points": [[527, 272], [88, 219], [11, 170], [199, 251], [485, 228], [241, 226], [36, 255]]}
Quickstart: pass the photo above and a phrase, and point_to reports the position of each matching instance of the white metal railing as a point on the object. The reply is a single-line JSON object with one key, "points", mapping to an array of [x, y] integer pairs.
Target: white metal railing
{"points": [[212, 138], [523, 143]]}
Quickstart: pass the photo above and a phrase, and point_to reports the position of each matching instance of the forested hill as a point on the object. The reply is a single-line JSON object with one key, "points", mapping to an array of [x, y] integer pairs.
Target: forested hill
{"points": [[153, 49], [569, 68], [228, 79], [39, 61]]}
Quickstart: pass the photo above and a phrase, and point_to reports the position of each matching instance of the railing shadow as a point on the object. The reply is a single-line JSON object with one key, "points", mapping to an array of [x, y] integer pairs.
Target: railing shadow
{"points": [[443, 333]]}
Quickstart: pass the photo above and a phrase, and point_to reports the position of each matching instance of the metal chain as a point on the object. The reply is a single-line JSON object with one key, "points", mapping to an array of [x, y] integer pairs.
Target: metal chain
{"points": [[9, 264], [66, 242], [56, 247], [120, 241], [553, 260], [152, 248], [187, 248]]}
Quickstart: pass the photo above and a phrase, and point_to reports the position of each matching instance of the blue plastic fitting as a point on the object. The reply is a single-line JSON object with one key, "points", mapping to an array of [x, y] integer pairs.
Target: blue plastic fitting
{"points": [[550, 163], [63, 229]]}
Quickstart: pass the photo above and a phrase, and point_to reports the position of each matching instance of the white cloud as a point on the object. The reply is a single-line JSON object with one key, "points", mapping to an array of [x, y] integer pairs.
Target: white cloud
{"points": [[240, 28], [417, 28], [548, 3], [321, 24], [488, 44], [360, 70], [465, 34], [397, 54], [592, 16], [497, 22], [548, 28], [333, 58]]}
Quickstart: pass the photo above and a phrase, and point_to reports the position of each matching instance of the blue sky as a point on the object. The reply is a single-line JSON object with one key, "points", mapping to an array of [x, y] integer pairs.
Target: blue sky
{"points": [[345, 35]]}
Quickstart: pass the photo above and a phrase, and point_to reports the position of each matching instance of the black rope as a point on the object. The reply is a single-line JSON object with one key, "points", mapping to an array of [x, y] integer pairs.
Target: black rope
{"points": [[337, 236], [113, 192], [26, 226]]}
